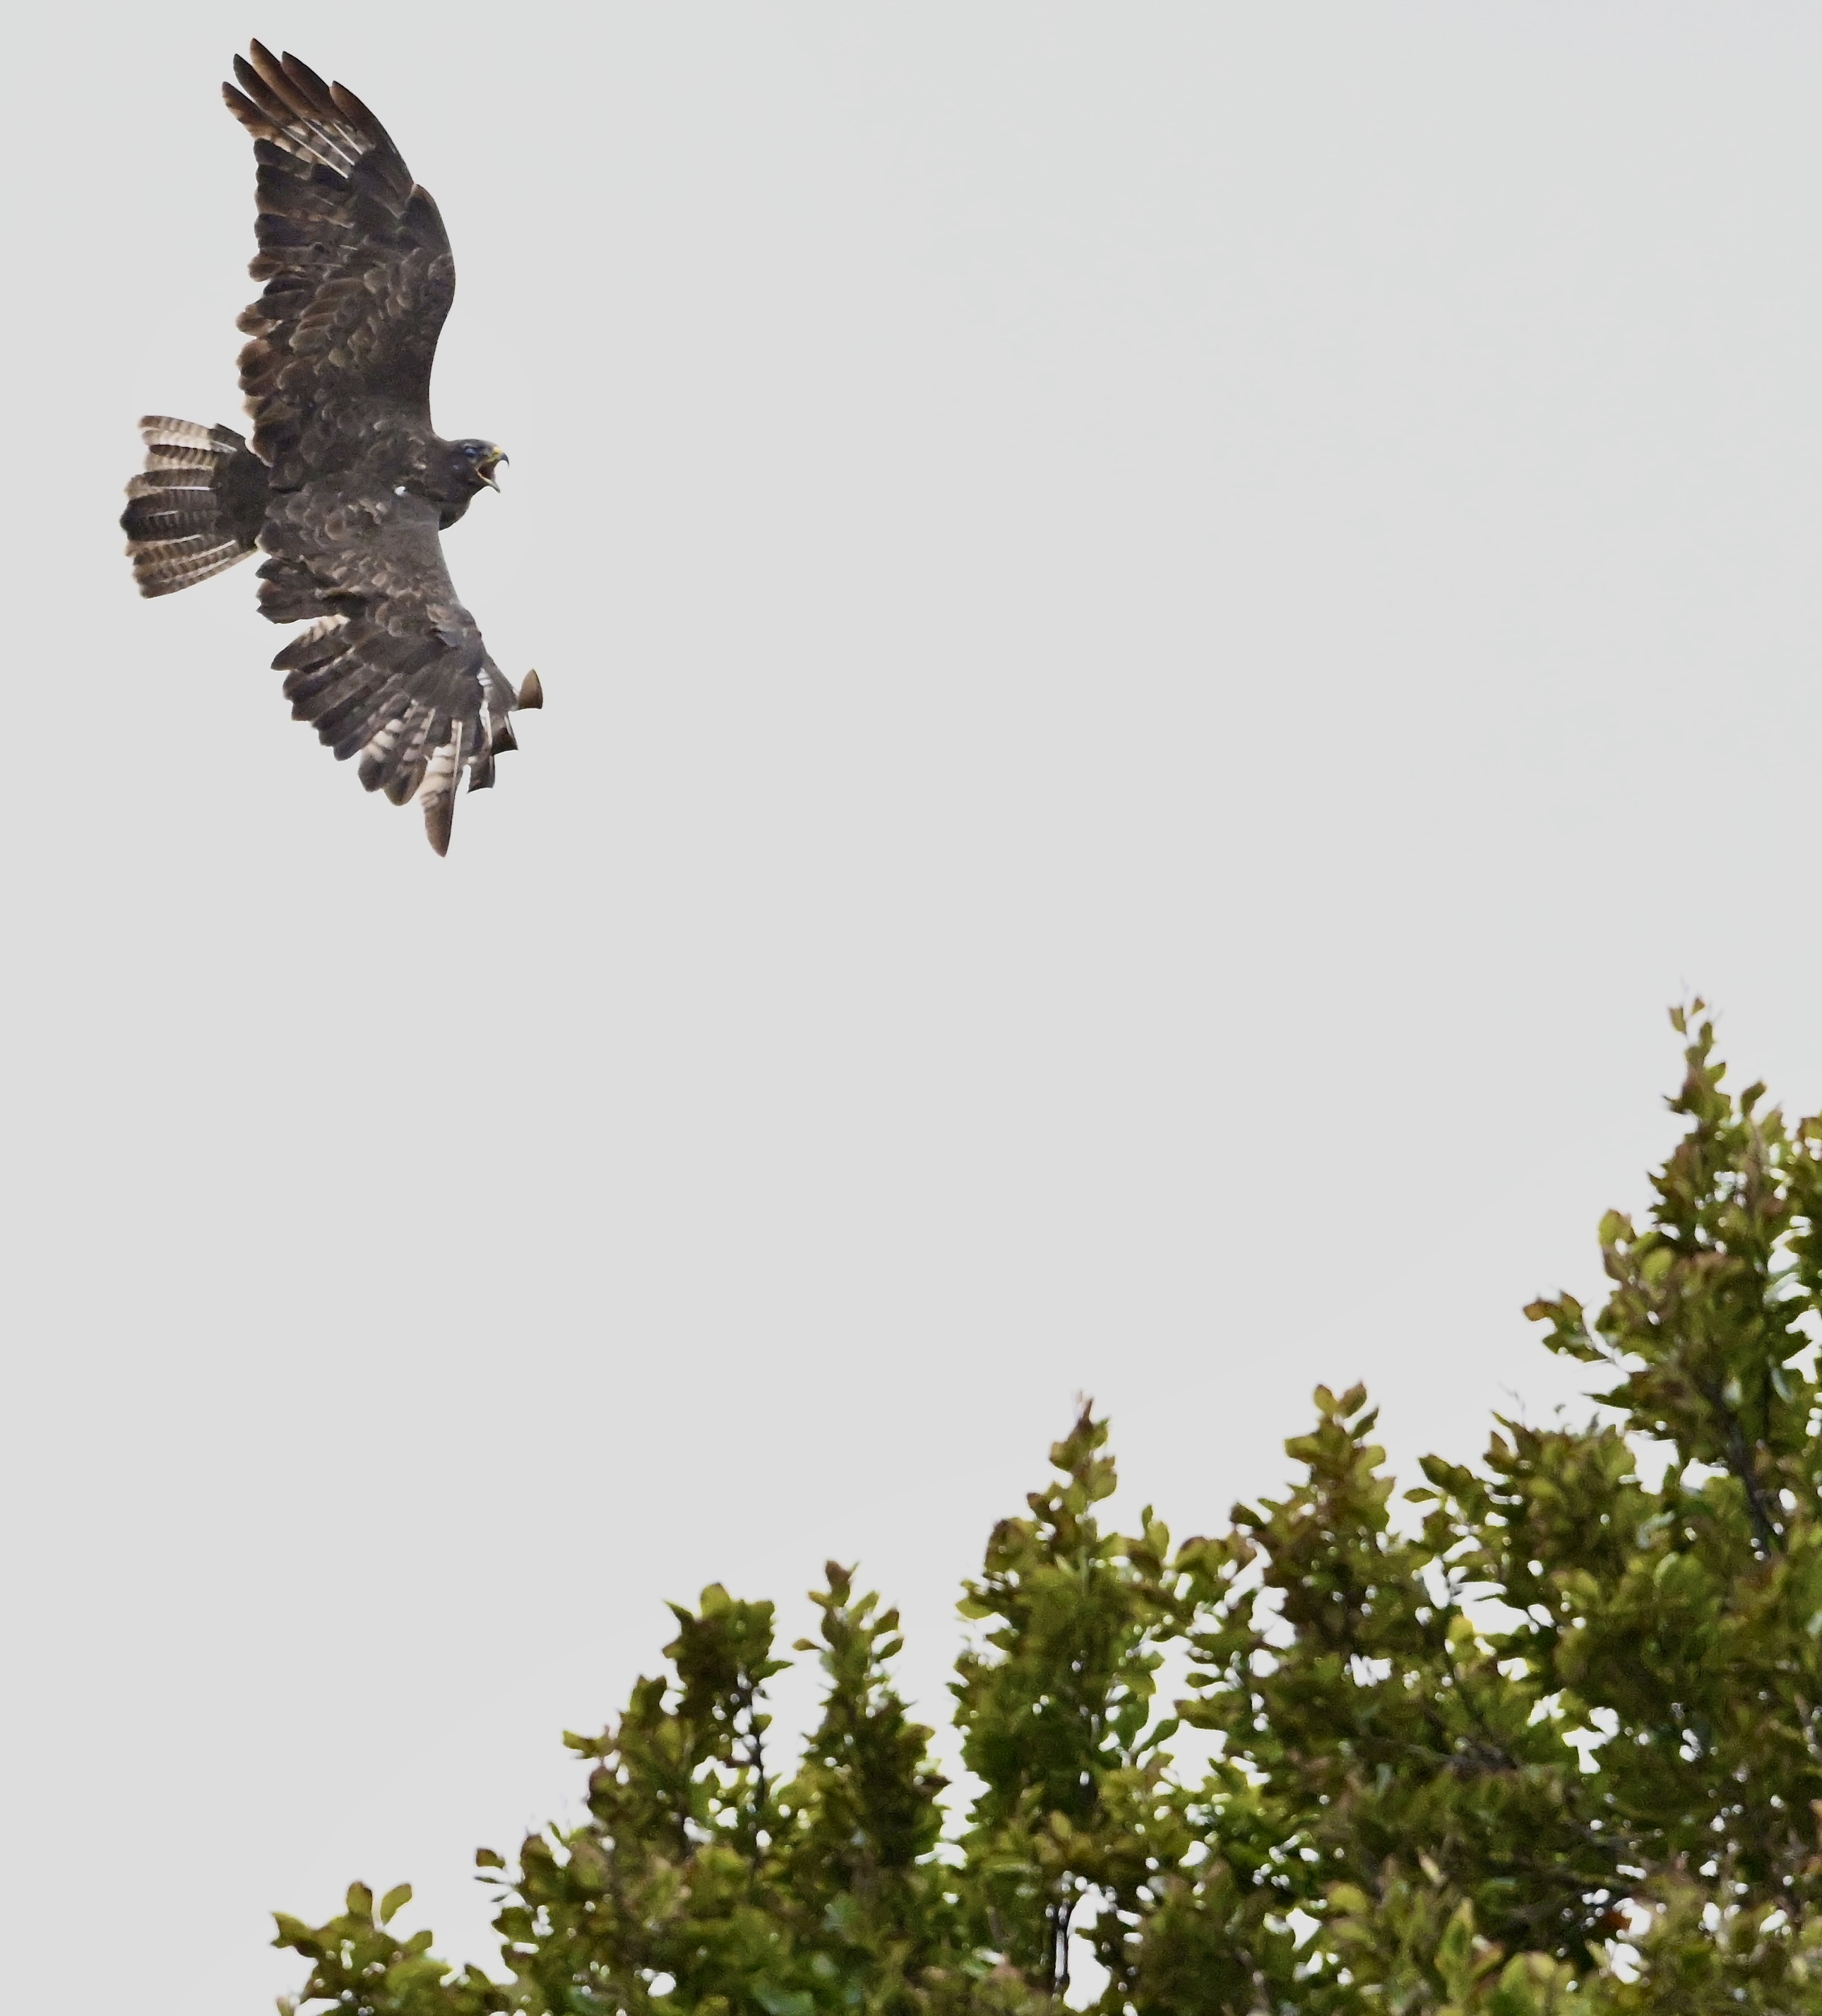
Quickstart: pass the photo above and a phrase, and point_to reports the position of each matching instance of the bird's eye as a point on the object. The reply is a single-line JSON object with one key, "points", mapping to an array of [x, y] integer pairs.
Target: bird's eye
{"points": [[472, 450]]}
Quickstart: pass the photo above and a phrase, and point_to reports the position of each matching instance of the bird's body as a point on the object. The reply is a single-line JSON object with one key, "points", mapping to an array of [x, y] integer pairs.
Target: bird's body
{"points": [[346, 485]]}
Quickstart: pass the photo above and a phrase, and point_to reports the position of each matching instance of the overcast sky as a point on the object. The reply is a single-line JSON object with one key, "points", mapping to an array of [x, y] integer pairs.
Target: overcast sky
{"points": [[1167, 632]]}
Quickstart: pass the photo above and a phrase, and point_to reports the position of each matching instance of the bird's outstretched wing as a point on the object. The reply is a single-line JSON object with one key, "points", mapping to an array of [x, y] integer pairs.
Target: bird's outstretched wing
{"points": [[392, 669], [357, 265]]}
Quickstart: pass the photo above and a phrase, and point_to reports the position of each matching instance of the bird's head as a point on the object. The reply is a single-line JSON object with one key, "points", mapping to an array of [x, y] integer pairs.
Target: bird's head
{"points": [[477, 460]]}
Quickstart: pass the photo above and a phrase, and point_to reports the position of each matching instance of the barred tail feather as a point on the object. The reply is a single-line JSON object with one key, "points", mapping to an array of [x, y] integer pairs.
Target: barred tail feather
{"points": [[197, 507]]}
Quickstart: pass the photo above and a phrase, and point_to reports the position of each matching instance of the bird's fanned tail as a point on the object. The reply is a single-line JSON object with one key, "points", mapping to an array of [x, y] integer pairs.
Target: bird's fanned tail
{"points": [[194, 509]]}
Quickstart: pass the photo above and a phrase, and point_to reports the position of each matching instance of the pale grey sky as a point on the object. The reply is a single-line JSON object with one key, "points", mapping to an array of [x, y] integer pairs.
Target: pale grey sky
{"points": [[1167, 631]]}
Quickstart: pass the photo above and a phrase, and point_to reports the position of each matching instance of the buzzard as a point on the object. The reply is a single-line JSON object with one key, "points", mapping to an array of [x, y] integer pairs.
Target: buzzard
{"points": [[346, 486]]}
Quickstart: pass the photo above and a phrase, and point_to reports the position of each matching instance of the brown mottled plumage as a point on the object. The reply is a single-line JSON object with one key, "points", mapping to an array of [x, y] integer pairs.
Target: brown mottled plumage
{"points": [[347, 486]]}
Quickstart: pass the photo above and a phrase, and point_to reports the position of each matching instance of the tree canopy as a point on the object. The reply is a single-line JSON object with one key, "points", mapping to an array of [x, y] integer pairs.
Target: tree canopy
{"points": [[1542, 1734]]}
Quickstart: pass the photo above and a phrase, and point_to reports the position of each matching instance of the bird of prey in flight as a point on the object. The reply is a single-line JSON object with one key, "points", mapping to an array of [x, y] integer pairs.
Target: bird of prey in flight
{"points": [[346, 486]]}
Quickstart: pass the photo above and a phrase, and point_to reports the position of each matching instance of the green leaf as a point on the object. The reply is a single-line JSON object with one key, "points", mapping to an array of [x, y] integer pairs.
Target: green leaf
{"points": [[783, 2001]]}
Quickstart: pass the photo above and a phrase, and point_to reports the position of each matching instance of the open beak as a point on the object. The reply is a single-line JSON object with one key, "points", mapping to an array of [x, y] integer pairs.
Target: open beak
{"points": [[485, 468]]}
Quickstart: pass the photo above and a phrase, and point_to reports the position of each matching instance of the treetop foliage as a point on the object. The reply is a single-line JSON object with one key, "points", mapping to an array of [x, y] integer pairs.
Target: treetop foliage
{"points": [[1541, 1735]]}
